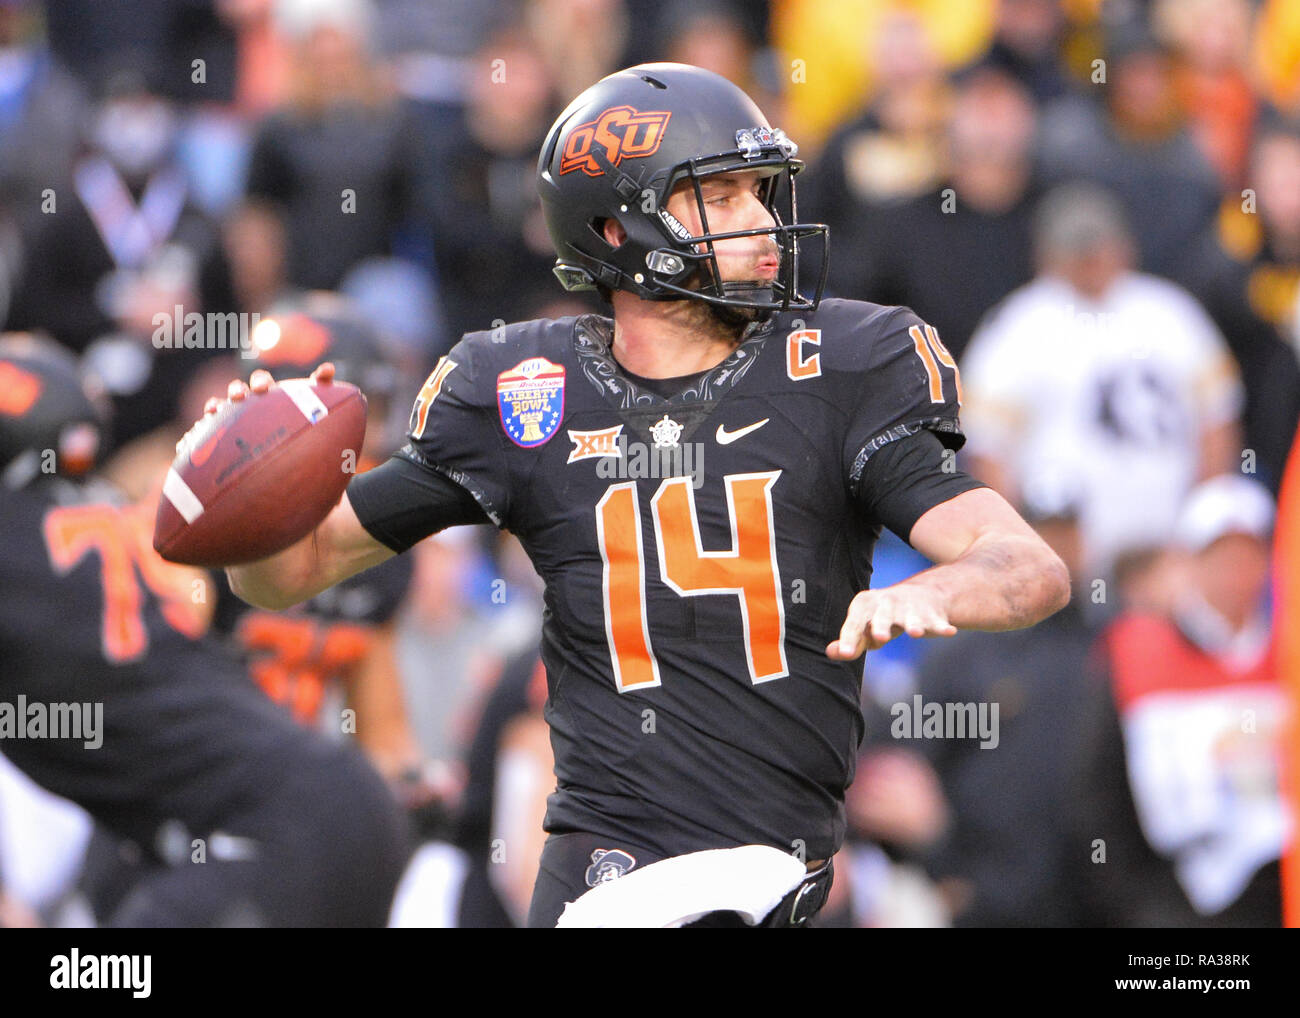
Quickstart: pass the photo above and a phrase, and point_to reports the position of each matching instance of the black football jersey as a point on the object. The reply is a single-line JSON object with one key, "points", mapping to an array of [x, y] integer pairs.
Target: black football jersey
{"points": [[699, 552], [92, 617]]}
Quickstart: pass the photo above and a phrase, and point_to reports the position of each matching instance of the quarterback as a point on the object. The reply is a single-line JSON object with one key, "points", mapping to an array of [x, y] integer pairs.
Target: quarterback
{"points": [[703, 632]]}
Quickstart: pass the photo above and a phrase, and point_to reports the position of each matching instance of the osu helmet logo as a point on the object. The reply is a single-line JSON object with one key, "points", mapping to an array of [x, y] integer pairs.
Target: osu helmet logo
{"points": [[621, 131], [608, 864]]}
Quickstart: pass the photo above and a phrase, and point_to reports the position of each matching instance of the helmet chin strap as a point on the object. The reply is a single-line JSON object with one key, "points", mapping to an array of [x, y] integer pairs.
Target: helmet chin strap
{"points": [[737, 317], [760, 293]]}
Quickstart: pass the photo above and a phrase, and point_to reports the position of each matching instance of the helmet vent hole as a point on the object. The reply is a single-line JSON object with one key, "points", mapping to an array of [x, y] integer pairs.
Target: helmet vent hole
{"points": [[653, 81]]}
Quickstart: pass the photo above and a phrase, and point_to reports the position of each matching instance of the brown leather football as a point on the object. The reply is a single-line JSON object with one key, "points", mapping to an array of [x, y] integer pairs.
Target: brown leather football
{"points": [[260, 474]]}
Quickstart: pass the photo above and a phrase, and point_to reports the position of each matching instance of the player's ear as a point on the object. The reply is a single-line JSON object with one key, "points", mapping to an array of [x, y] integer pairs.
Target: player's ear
{"points": [[614, 232]]}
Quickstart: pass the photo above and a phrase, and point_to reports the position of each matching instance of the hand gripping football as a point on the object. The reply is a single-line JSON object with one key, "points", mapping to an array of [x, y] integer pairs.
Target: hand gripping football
{"points": [[260, 474]]}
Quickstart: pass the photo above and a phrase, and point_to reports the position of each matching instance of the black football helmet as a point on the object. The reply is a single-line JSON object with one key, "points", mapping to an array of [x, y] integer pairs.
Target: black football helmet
{"points": [[46, 406], [620, 149]]}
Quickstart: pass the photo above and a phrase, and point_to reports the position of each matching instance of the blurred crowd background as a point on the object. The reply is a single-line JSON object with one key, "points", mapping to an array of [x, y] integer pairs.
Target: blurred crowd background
{"points": [[1097, 204]]}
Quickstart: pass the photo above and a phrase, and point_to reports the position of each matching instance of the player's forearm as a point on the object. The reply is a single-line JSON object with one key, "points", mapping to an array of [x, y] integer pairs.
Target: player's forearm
{"points": [[278, 582], [340, 547], [1001, 582]]}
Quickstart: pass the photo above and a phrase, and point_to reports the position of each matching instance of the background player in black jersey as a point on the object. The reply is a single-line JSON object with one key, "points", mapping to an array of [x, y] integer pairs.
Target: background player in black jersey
{"points": [[700, 482], [239, 815], [337, 652]]}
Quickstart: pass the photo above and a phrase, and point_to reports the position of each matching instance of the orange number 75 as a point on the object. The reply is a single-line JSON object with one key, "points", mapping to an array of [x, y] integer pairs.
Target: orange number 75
{"points": [[122, 539]]}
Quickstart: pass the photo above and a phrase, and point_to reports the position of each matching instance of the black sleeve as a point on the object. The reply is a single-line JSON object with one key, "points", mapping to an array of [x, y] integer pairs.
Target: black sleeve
{"points": [[400, 505], [905, 479], [896, 380]]}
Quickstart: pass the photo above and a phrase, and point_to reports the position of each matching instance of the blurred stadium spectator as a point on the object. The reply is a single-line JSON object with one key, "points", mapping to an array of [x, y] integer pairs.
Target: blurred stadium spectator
{"points": [[488, 224], [481, 874], [97, 40], [1133, 139], [1027, 43], [1180, 777], [895, 811], [338, 161], [42, 115], [893, 149], [122, 245], [715, 35], [931, 252], [509, 775], [836, 53], [1211, 40], [1277, 53], [448, 634], [554, 25], [1246, 270], [1116, 373]]}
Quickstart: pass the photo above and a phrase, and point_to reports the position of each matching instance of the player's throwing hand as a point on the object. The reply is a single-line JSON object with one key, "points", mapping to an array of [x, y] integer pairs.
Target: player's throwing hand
{"points": [[260, 382], [876, 616]]}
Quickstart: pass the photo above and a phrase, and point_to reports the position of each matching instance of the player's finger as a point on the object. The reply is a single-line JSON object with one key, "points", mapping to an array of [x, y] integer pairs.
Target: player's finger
{"points": [[937, 624], [915, 626], [883, 619], [324, 373], [845, 648], [212, 405], [850, 641], [236, 391], [260, 381]]}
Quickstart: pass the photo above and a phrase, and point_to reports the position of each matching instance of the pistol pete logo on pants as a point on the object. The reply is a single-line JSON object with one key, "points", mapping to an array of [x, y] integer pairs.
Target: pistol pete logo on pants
{"points": [[608, 864]]}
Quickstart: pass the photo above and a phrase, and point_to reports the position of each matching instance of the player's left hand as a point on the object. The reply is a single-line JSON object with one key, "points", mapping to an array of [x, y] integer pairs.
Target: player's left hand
{"points": [[876, 616]]}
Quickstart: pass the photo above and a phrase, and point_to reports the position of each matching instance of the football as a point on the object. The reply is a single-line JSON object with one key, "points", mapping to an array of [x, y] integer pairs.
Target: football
{"points": [[260, 474]]}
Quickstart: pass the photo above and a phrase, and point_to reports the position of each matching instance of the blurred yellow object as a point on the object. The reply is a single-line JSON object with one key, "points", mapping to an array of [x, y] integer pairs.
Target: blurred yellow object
{"points": [[827, 60], [1277, 52]]}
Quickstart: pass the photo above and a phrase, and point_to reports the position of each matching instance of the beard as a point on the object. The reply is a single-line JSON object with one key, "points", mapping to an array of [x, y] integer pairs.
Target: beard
{"points": [[715, 321]]}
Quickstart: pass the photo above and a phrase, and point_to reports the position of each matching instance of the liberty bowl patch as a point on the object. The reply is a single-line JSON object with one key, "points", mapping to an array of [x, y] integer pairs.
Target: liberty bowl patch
{"points": [[530, 397]]}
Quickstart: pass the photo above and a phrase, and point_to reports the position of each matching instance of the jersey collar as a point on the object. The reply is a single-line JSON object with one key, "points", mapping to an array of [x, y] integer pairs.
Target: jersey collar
{"points": [[593, 337]]}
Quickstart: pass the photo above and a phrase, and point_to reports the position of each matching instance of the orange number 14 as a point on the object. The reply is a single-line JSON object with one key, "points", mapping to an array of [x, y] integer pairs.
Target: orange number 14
{"points": [[747, 570], [929, 347]]}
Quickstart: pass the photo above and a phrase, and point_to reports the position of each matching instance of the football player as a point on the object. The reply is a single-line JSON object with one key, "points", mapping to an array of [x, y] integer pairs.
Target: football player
{"points": [[241, 816], [699, 480]]}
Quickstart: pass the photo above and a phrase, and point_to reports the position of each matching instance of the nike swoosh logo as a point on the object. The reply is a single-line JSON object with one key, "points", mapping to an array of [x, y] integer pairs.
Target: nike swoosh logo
{"points": [[726, 437], [200, 455]]}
